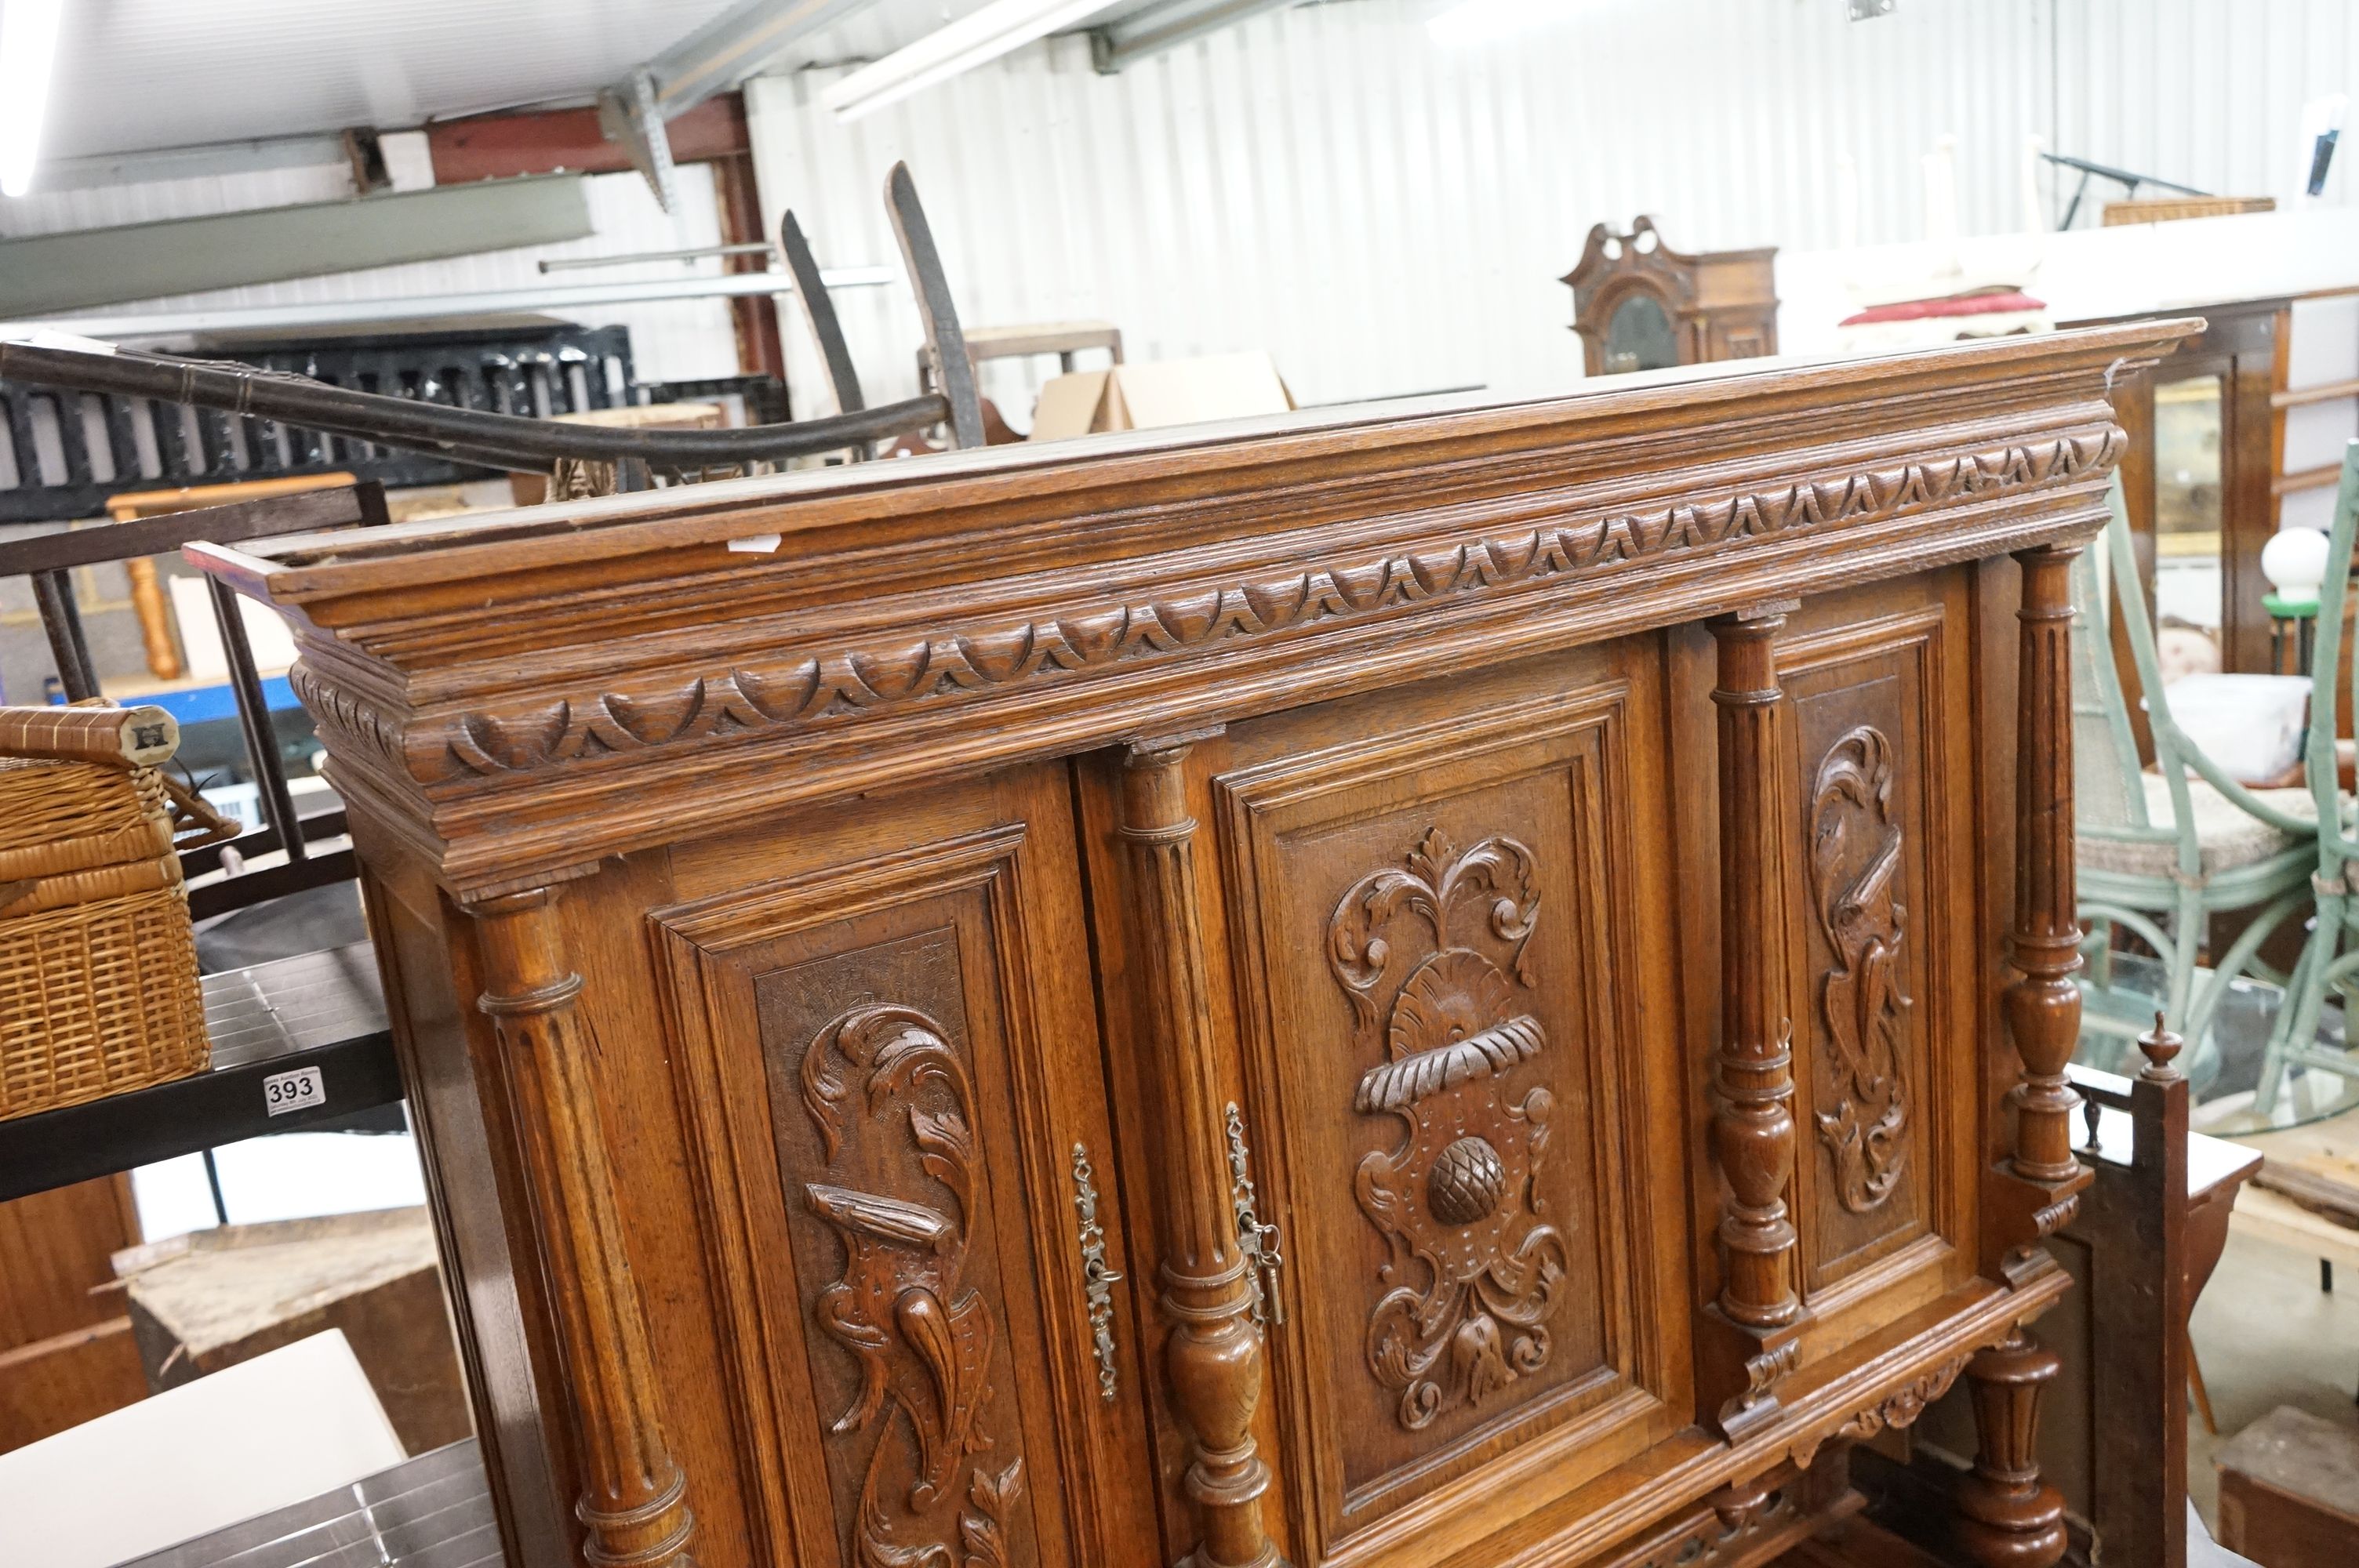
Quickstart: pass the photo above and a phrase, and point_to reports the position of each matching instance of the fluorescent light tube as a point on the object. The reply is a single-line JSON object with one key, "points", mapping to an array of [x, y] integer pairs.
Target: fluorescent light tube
{"points": [[972, 40], [28, 53], [1483, 21]]}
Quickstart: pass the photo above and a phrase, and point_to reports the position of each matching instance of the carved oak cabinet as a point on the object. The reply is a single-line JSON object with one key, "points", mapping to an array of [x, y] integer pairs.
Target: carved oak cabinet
{"points": [[1483, 984]]}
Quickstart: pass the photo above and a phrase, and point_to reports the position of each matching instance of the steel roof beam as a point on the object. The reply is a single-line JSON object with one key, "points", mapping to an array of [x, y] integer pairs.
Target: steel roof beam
{"points": [[1129, 39], [717, 58]]}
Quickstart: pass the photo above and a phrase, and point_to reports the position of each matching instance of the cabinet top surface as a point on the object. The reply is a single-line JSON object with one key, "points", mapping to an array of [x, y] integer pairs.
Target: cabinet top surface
{"points": [[799, 505], [535, 688]]}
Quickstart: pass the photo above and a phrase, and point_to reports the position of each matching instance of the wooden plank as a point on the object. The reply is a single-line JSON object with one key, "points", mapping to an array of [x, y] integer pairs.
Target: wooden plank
{"points": [[2268, 1217], [2327, 392], [53, 1252], [544, 141], [2321, 1194], [66, 1380], [216, 1298], [2306, 478]]}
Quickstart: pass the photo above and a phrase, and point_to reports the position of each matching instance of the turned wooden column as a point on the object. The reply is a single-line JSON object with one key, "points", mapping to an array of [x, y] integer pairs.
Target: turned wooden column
{"points": [[2012, 1518], [2043, 1006], [634, 1505], [1214, 1355], [1753, 1122]]}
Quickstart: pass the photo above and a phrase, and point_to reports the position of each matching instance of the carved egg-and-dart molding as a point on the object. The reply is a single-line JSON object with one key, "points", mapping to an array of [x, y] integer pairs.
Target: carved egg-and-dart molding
{"points": [[1854, 878], [1474, 1272], [776, 689], [923, 1340]]}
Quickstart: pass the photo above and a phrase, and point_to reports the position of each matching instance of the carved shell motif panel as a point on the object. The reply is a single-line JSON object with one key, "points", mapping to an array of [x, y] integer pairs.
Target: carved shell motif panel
{"points": [[943, 1480], [1432, 957], [1856, 865]]}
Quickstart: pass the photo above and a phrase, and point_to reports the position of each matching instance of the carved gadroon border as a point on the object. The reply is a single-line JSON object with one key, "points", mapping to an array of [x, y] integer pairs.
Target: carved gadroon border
{"points": [[794, 688]]}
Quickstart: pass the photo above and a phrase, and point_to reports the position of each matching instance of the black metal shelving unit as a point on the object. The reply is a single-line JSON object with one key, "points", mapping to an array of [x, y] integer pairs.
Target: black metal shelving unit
{"points": [[322, 1010]]}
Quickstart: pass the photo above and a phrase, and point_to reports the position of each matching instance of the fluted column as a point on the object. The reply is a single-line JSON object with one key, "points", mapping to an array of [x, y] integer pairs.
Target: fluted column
{"points": [[2043, 1005], [1213, 1356], [1753, 1122], [634, 1504]]}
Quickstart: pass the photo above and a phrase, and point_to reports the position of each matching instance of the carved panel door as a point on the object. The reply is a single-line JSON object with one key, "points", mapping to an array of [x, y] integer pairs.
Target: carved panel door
{"points": [[1440, 913], [897, 1076], [1885, 995]]}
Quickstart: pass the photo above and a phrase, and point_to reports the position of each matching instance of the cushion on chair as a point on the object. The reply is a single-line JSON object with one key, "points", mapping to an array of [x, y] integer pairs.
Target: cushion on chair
{"points": [[2229, 837]]}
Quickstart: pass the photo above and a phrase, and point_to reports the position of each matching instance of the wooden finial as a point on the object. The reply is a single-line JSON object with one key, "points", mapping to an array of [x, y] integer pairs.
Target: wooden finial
{"points": [[2159, 1045]]}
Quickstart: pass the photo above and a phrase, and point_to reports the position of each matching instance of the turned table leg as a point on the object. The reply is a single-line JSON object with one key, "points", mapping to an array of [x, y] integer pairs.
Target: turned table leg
{"points": [[1214, 1355], [634, 1504], [2012, 1517]]}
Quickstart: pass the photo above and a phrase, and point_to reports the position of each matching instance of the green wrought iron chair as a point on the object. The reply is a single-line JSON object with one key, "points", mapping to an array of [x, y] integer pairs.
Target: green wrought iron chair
{"points": [[2328, 960], [2160, 852]]}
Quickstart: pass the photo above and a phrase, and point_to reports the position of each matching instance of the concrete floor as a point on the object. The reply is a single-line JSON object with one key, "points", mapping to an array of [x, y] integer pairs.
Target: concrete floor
{"points": [[2266, 1335]]}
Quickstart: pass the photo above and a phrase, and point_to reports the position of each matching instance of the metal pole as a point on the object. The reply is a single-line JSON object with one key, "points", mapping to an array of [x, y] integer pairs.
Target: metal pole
{"points": [[213, 1180], [254, 718], [61, 619]]}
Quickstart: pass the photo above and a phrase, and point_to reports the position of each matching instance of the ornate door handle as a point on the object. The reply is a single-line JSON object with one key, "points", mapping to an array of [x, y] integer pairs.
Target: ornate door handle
{"points": [[1261, 1243], [1097, 1281]]}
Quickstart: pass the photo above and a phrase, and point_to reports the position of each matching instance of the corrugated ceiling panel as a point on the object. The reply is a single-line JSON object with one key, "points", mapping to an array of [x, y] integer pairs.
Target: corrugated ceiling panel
{"points": [[1387, 214]]}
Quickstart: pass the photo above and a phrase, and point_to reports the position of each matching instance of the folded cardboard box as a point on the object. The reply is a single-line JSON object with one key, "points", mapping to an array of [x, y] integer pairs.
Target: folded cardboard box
{"points": [[1159, 394]]}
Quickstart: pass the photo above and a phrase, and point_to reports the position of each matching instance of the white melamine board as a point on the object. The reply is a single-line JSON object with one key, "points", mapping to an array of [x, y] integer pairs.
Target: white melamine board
{"points": [[256, 1437]]}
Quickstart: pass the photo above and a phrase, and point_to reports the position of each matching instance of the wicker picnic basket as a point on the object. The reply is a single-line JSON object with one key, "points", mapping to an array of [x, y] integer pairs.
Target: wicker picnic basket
{"points": [[98, 964]]}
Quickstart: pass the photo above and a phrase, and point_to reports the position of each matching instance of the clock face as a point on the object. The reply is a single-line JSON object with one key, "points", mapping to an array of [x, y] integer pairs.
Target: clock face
{"points": [[1639, 336]]}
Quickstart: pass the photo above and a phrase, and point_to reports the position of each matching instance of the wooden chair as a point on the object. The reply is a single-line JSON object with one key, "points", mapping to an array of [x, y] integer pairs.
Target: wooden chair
{"points": [[2327, 960], [2160, 853]]}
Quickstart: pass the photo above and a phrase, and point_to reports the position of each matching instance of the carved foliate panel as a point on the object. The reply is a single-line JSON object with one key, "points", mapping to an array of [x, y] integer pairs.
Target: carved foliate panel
{"points": [[1855, 868], [1880, 1018], [889, 1074], [907, 1296], [1434, 926], [922, 1337], [1476, 1273]]}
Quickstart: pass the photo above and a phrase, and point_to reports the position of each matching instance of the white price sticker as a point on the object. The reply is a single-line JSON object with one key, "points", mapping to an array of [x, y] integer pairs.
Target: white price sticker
{"points": [[299, 1090]]}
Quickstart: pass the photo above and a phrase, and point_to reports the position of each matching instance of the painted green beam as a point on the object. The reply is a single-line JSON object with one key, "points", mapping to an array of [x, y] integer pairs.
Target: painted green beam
{"points": [[45, 274]]}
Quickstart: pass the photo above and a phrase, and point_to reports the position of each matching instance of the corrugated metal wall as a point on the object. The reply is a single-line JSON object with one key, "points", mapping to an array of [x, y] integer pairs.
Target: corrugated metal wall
{"points": [[669, 340], [1386, 214]]}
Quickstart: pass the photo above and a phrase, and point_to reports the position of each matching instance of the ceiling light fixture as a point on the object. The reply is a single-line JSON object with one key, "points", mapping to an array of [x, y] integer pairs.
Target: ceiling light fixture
{"points": [[28, 52], [972, 40], [1481, 21]]}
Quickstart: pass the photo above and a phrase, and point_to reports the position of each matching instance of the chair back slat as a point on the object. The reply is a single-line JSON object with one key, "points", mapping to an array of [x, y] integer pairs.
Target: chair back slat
{"points": [[2105, 788], [2336, 847]]}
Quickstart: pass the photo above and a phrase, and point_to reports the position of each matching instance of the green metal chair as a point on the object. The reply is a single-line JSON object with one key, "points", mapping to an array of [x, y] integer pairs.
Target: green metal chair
{"points": [[2160, 853], [2327, 962]]}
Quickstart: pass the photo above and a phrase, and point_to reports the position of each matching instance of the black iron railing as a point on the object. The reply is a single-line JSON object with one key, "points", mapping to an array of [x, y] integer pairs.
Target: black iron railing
{"points": [[49, 559]]}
